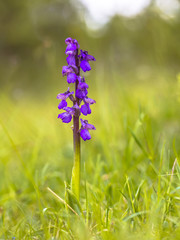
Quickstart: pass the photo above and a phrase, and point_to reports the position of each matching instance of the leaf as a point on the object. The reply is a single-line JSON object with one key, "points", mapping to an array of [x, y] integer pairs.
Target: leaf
{"points": [[73, 202], [138, 143], [134, 215]]}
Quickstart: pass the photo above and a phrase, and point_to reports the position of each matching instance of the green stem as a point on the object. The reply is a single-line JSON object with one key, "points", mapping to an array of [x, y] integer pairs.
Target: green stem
{"points": [[75, 181]]}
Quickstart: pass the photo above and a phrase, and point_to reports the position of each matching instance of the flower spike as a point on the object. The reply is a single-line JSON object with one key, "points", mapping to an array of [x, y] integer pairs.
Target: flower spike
{"points": [[81, 102]]}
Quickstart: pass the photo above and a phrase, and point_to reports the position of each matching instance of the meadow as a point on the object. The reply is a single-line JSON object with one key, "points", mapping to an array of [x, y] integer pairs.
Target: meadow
{"points": [[130, 167]]}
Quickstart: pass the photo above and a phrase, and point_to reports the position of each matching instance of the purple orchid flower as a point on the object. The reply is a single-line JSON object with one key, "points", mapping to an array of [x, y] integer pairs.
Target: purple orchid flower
{"points": [[81, 91], [72, 46], [73, 76], [70, 72], [81, 104], [85, 58], [62, 104], [85, 108], [84, 131], [67, 116], [82, 85], [64, 96], [89, 100]]}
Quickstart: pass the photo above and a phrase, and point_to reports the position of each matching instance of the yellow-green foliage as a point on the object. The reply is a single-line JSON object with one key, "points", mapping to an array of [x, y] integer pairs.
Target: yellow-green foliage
{"points": [[130, 168]]}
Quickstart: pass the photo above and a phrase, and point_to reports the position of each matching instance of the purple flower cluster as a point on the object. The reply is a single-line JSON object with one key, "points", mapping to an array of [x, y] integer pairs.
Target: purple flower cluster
{"points": [[81, 102]]}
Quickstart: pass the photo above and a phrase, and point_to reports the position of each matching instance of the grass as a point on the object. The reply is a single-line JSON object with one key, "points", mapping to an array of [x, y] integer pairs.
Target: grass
{"points": [[130, 186]]}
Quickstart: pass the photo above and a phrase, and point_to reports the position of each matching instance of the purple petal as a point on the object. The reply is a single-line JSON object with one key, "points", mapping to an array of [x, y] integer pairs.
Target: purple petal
{"points": [[79, 78], [83, 85], [65, 95], [71, 60], [68, 94], [68, 40], [61, 96], [76, 43], [74, 68], [83, 123], [70, 110], [65, 117], [65, 69], [72, 41], [85, 109], [86, 125], [85, 66], [89, 100], [71, 78], [83, 54], [81, 93], [85, 134], [90, 127], [62, 104], [68, 69], [71, 48], [90, 58]]}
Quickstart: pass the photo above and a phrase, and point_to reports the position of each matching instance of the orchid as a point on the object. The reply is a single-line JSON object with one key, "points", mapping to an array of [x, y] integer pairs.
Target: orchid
{"points": [[81, 102]]}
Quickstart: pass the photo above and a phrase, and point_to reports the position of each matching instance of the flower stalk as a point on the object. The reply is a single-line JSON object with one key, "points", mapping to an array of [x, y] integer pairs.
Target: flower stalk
{"points": [[81, 104], [76, 171]]}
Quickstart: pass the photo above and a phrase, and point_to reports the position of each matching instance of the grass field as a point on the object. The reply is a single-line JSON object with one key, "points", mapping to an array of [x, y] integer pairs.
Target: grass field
{"points": [[130, 186]]}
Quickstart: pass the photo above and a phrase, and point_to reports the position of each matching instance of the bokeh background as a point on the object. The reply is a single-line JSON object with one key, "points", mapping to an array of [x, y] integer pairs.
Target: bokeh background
{"points": [[137, 48], [130, 40], [136, 84], [134, 78]]}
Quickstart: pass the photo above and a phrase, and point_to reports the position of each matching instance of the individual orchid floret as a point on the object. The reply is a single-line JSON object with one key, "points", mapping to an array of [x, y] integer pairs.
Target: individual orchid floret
{"points": [[62, 104], [69, 69], [86, 125], [85, 58], [69, 41], [82, 84], [72, 46], [70, 72], [64, 96], [84, 131], [71, 78], [71, 49], [66, 117], [85, 108], [81, 91]]}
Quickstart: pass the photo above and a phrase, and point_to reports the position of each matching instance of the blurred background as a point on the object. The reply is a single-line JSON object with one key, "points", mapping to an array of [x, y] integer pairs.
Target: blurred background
{"points": [[136, 40], [134, 79], [136, 84]]}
